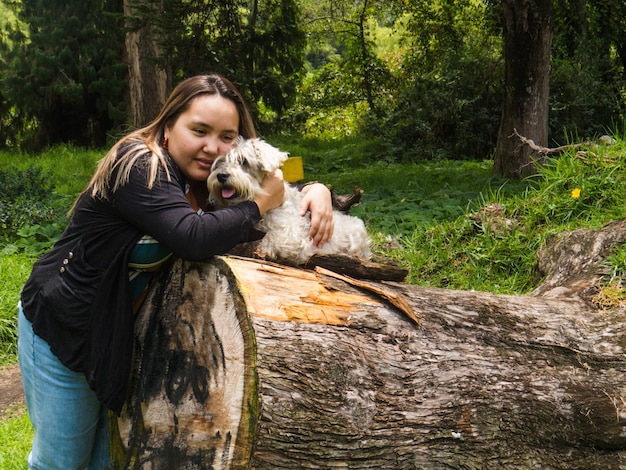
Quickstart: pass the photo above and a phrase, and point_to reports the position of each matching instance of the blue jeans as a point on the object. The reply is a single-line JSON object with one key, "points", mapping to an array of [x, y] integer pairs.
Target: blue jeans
{"points": [[71, 425]]}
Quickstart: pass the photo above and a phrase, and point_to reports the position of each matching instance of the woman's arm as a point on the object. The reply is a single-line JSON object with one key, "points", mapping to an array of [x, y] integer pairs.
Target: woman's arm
{"points": [[165, 214]]}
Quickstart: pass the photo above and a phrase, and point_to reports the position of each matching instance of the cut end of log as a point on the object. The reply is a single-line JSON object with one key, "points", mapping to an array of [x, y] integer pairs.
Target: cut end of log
{"points": [[193, 400]]}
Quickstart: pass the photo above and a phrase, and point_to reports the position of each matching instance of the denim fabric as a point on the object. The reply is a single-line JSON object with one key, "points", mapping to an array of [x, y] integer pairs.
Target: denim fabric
{"points": [[71, 425]]}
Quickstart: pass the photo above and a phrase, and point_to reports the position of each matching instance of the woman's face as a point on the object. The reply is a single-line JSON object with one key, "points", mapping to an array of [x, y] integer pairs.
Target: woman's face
{"points": [[201, 134]]}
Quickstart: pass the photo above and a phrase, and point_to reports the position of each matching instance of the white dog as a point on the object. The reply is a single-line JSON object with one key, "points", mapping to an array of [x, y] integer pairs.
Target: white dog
{"points": [[237, 176]]}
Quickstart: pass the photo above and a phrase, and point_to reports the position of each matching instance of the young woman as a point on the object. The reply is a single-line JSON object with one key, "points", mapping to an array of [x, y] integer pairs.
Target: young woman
{"points": [[145, 202]]}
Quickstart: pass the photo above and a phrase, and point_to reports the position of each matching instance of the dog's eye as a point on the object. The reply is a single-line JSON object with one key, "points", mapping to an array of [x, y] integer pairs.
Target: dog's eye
{"points": [[244, 163]]}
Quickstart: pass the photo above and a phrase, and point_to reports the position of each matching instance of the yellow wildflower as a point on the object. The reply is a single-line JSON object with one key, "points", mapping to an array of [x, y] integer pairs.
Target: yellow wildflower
{"points": [[576, 193]]}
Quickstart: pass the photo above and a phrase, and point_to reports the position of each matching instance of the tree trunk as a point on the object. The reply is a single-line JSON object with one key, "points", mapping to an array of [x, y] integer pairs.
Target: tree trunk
{"points": [[149, 81], [245, 364], [527, 28]]}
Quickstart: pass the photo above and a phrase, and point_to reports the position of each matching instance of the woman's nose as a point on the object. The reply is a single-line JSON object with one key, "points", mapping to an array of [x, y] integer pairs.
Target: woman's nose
{"points": [[211, 146]]}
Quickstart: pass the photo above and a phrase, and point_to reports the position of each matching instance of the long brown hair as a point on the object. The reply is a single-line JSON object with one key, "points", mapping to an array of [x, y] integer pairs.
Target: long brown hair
{"points": [[149, 139]]}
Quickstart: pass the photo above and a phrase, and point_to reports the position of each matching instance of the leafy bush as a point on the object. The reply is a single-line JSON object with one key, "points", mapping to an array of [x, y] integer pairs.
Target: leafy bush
{"points": [[32, 183], [27, 199], [450, 112]]}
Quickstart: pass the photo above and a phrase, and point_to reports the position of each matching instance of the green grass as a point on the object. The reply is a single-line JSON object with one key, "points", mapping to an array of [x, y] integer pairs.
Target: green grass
{"points": [[398, 198], [70, 167], [16, 435], [496, 252], [15, 270]]}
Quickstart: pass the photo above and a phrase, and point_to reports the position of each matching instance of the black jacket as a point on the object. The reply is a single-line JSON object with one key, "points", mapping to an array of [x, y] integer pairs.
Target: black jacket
{"points": [[78, 297]]}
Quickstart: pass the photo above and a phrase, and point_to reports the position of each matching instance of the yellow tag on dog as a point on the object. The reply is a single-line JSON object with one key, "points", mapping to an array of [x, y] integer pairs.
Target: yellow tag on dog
{"points": [[293, 170]]}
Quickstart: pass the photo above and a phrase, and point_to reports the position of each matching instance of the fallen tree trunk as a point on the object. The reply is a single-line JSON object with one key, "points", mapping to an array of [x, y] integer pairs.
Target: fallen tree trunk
{"points": [[245, 364]]}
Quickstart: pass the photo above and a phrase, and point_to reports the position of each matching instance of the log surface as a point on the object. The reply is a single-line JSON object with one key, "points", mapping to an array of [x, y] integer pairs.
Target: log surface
{"points": [[335, 376]]}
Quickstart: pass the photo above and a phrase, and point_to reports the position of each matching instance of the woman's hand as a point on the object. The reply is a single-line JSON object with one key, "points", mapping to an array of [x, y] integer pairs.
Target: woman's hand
{"points": [[316, 199], [274, 187]]}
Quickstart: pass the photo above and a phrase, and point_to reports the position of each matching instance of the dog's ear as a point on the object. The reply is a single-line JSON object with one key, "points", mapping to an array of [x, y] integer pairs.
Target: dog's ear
{"points": [[272, 158]]}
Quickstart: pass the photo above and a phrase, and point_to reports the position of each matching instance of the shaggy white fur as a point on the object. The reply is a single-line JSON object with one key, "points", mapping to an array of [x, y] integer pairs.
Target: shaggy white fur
{"points": [[237, 177]]}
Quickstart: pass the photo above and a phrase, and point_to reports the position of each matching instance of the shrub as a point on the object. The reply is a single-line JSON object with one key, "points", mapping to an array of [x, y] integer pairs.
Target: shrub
{"points": [[28, 202]]}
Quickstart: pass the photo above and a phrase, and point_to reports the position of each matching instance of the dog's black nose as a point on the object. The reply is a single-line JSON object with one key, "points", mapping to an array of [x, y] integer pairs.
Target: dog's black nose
{"points": [[222, 177]]}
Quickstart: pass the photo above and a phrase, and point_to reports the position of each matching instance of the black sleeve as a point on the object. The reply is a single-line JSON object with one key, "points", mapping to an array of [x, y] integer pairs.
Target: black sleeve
{"points": [[164, 213]]}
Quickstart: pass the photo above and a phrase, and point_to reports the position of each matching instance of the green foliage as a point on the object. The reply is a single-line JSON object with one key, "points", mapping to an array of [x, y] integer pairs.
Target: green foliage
{"points": [[277, 46], [436, 94], [26, 200], [613, 293], [351, 80], [258, 45], [437, 90], [36, 191], [588, 77], [35, 240], [448, 104], [67, 168], [31, 183], [63, 72], [617, 263]]}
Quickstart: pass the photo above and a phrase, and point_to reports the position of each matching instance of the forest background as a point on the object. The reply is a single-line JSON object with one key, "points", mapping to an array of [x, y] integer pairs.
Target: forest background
{"points": [[424, 80], [404, 98]]}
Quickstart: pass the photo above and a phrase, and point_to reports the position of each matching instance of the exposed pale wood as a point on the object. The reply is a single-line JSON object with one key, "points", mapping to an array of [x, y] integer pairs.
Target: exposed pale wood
{"points": [[386, 293], [283, 293]]}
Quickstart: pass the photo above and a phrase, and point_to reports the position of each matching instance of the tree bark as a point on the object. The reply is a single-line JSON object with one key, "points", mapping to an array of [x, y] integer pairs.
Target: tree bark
{"points": [[149, 80], [527, 26], [246, 364]]}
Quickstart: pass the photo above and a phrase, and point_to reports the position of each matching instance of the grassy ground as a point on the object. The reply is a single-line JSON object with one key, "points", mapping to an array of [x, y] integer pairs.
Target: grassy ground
{"points": [[427, 216], [15, 269], [16, 434]]}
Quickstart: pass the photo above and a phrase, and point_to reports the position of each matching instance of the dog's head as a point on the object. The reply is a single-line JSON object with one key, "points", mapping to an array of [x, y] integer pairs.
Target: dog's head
{"points": [[237, 176]]}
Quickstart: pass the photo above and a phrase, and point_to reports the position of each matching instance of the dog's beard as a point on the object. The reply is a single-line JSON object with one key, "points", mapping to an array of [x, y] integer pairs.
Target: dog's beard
{"points": [[237, 187]]}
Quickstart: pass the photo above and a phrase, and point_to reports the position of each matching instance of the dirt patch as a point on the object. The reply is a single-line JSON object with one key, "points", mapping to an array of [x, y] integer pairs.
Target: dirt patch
{"points": [[11, 391]]}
